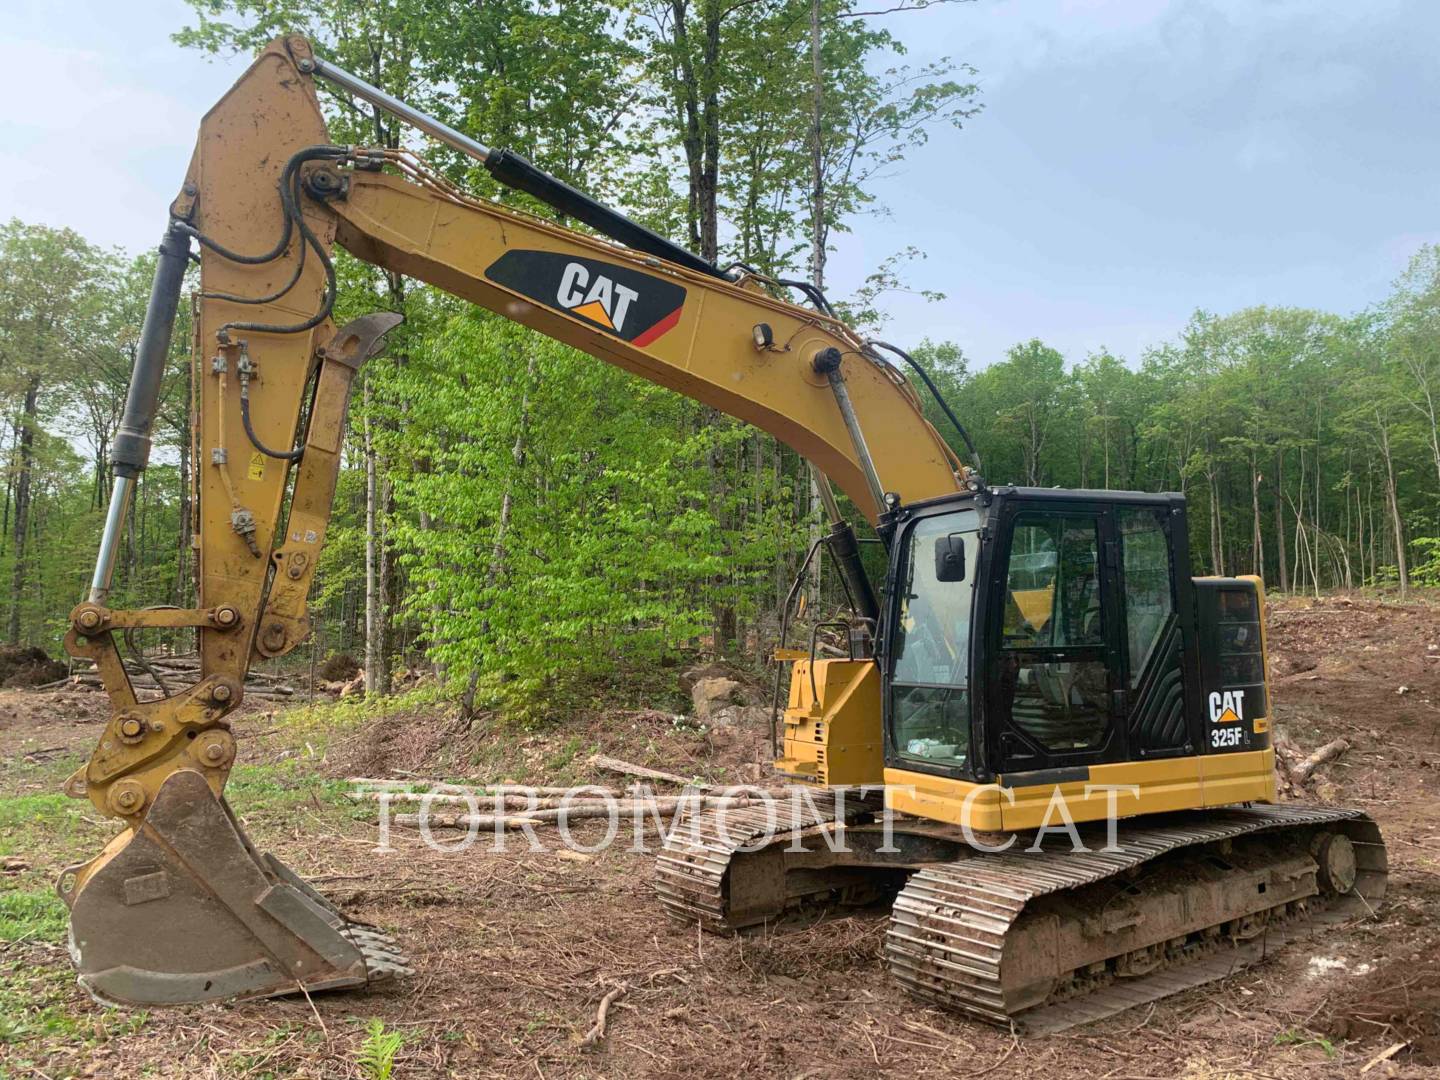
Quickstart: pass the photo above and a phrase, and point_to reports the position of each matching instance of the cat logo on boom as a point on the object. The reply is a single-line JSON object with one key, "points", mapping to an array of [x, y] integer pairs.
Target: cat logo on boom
{"points": [[634, 306], [603, 302]]}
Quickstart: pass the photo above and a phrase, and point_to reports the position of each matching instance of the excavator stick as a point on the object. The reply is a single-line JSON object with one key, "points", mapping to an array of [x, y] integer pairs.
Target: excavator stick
{"points": [[180, 906]]}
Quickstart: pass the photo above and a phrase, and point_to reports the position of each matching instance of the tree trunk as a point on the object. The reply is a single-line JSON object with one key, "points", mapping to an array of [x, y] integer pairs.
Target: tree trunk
{"points": [[374, 619], [24, 470], [710, 170], [1281, 551], [817, 157], [502, 531], [817, 259], [1257, 559], [1392, 500], [389, 592], [699, 110], [182, 553]]}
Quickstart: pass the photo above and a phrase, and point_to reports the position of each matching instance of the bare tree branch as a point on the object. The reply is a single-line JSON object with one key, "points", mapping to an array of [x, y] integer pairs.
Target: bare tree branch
{"points": [[920, 5]]}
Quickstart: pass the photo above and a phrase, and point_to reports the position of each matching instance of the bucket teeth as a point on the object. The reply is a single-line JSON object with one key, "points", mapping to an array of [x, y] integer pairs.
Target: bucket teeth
{"points": [[383, 957], [182, 909]]}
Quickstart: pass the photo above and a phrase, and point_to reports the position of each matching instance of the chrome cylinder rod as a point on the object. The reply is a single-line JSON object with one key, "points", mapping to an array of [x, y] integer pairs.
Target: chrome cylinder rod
{"points": [[825, 494], [827, 362], [393, 105], [131, 449], [110, 539]]}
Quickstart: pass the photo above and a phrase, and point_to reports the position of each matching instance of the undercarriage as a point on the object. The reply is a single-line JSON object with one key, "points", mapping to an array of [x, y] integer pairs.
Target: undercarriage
{"points": [[1039, 934]]}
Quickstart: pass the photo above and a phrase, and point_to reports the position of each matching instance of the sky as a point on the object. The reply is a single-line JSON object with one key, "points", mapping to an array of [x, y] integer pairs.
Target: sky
{"points": [[1135, 160]]}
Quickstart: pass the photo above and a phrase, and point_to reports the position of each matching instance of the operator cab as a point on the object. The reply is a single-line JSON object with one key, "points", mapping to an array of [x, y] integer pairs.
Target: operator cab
{"points": [[1033, 633]]}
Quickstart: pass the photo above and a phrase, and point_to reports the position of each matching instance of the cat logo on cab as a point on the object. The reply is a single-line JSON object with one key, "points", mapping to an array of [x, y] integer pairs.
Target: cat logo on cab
{"points": [[636, 307], [1227, 707], [1227, 711]]}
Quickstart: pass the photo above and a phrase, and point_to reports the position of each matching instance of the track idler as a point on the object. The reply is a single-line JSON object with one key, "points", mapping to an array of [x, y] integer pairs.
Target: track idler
{"points": [[181, 908]]}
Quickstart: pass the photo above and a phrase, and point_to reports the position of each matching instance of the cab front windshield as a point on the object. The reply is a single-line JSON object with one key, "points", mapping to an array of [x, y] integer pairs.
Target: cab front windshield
{"points": [[930, 680]]}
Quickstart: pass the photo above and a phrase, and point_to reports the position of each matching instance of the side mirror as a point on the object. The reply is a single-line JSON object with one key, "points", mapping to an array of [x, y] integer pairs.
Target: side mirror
{"points": [[950, 558]]}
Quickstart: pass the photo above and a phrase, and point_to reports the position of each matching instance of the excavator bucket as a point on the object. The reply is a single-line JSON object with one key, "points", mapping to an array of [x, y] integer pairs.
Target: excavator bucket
{"points": [[182, 908]]}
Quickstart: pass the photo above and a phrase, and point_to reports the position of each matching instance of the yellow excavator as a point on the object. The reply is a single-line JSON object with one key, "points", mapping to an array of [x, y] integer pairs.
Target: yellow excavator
{"points": [[1037, 673]]}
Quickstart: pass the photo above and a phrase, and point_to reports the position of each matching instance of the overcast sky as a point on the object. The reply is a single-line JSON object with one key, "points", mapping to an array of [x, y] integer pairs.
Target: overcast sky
{"points": [[1135, 160]]}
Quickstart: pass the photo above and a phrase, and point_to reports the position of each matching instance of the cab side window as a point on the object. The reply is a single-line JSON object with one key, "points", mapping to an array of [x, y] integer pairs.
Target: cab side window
{"points": [[1053, 680], [1149, 585]]}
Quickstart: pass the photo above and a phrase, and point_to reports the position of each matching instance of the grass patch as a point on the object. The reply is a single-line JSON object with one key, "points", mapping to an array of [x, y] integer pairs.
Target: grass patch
{"points": [[563, 759], [36, 1008], [1301, 1039], [32, 1006], [377, 1053], [23, 811], [36, 914], [283, 786], [49, 828], [321, 720]]}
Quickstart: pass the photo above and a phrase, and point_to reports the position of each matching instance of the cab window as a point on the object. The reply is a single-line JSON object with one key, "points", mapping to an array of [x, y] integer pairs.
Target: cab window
{"points": [[930, 679], [1052, 678]]}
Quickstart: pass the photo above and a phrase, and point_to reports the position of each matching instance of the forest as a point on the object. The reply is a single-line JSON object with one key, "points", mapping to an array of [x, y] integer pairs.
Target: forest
{"points": [[520, 520]]}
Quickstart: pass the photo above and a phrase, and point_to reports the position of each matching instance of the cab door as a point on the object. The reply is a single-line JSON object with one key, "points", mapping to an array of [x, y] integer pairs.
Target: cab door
{"points": [[1055, 672]]}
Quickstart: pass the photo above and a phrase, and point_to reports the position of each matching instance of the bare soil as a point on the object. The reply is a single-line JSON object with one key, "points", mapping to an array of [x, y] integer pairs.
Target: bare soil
{"points": [[28, 665], [515, 949]]}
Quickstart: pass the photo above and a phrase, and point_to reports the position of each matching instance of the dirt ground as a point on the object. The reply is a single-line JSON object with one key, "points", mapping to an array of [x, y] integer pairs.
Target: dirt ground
{"points": [[515, 950]]}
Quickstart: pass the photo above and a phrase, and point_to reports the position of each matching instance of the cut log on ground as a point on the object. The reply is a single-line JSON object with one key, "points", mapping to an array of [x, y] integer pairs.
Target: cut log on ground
{"points": [[1295, 769], [478, 800], [478, 822], [444, 787], [1329, 752], [578, 811], [626, 768]]}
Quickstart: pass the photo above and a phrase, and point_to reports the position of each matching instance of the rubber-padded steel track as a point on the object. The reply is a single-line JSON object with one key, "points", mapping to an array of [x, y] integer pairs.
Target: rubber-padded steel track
{"points": [[690, 870], [949, 923]]}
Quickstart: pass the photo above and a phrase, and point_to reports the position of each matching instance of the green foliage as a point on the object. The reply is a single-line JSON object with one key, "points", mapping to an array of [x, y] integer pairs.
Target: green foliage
{"points": [[1297, 436], [567, 509], [377, 1052], [1304, 1038], [32, 915], [1426, 570]]}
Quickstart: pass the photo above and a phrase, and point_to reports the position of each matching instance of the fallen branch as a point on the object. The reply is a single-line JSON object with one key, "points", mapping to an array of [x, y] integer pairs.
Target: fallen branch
{"points": [[625, 768], [1301, 773], [1384, 1055], [1295, 769], [56, 684], [597, 1031]]}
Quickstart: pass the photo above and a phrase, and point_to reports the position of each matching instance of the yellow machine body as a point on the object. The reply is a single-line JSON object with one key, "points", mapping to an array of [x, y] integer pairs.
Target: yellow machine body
{"points": [[180, 906], [832, 737]]}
